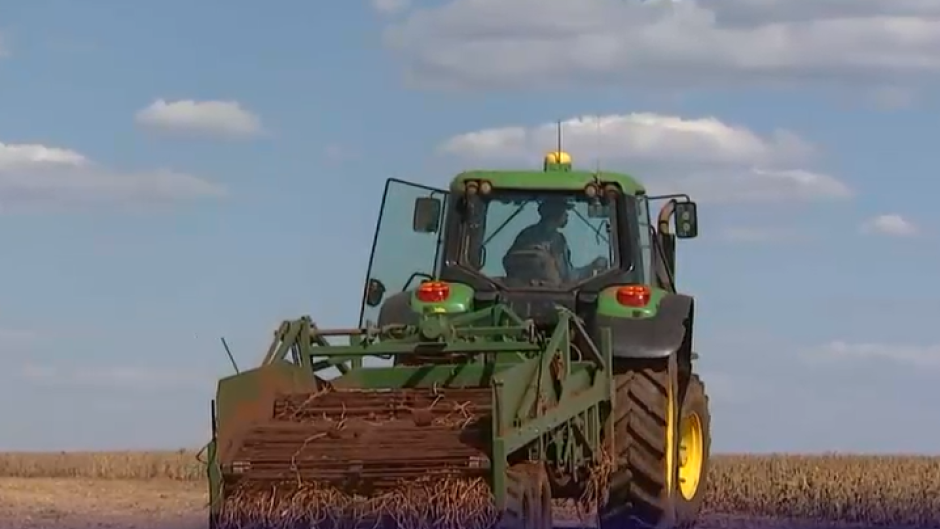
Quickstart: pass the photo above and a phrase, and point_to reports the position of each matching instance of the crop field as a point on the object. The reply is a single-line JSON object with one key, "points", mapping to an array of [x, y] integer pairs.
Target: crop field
{"points": [[872, 490]]}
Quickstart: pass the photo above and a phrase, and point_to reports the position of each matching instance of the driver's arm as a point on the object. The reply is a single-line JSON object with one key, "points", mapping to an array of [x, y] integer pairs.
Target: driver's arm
{"points": [[569, 272], [572, 273]]}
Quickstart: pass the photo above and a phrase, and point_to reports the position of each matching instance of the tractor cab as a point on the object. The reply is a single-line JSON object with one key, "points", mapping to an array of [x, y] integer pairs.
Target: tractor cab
{"points": [[530, 239]]}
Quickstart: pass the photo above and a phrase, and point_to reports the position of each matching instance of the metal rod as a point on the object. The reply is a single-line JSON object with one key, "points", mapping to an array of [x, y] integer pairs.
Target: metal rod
{"points": [[342, 332], [229, 353], [674, 195]]}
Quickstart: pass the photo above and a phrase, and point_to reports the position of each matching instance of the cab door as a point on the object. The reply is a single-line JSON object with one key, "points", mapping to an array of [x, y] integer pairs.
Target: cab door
{"points": [[402, 255]]}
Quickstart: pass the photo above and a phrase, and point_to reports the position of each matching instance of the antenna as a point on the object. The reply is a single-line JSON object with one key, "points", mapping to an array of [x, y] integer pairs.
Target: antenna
{"points": [[229, 353], [559, 136], [597, 145]]}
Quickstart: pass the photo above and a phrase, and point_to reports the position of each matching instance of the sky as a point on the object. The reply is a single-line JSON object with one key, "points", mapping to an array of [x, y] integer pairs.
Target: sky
{"points": [[175, 172]]}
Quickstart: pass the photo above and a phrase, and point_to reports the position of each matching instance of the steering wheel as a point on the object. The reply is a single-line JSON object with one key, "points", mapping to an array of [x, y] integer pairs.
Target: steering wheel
{"points": [[598, 265]]}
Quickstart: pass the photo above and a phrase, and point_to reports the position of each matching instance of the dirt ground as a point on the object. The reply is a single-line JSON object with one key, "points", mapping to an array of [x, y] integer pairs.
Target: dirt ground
{"points": [[39, 503], [27, 503]]}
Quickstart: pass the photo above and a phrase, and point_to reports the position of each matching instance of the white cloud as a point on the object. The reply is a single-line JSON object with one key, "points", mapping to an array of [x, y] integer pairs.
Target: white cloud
{"points": [[705, 157], [757, 185], [390, 6], [114, 377], [34, 175], [639, 136], [685, 44], [890, 224], [926, 356], [24, 156], [215, 118]]}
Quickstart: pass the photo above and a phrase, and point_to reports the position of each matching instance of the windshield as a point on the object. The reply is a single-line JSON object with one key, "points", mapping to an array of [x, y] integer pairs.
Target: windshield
{"points": [[541, 239]]}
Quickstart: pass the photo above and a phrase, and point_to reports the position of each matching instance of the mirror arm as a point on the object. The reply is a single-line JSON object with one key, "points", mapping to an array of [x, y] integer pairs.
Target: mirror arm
{"points": [[664, 215], [667, 267]]}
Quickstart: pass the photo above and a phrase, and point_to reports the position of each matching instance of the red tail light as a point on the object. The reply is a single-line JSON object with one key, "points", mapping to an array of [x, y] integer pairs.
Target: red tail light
{"points": [[433, 291], [633, 295]]}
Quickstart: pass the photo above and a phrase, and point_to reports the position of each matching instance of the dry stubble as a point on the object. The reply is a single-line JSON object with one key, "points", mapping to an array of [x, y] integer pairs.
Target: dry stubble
{"points": [[868, 489]]}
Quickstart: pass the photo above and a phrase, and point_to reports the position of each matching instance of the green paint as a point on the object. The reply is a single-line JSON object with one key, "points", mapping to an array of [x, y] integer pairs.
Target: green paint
{"points": [[608, 305], [548, 180], [459, 301], [214, 473], [345, 353], [575, 403], [510, 395], [447, 375]]}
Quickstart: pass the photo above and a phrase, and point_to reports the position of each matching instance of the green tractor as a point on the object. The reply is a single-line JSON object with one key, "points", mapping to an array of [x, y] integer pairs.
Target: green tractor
{"points": [[521, 347]]}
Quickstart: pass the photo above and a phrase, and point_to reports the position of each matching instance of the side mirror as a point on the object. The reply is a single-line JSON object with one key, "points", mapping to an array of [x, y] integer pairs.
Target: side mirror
{"points": [[480, 259], [686, 220], [375, 291], [427, 215]]}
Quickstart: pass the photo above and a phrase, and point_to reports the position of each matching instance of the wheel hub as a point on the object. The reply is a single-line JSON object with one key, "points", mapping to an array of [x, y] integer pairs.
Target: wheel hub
{"points": [[691, 455]]}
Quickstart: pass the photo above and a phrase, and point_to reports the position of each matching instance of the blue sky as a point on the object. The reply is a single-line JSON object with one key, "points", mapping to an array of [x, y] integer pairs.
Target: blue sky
{"points": [[174, 172]]}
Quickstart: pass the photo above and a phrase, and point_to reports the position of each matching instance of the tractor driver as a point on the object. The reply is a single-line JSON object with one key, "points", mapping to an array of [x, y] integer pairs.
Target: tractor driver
{"points": [[545, 235]]}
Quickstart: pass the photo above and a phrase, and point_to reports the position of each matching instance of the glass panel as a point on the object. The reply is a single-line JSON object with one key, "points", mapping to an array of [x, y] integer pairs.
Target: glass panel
{"points": [[401, 257], [646, 246], [548, 240]]}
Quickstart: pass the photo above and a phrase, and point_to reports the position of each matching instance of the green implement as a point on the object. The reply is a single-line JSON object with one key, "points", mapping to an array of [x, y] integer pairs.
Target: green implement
{"points": [[506, 377]]}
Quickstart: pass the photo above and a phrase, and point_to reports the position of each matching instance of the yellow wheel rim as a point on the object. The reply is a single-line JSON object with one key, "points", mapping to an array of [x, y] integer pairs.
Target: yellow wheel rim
{"points": [[691, 455]]}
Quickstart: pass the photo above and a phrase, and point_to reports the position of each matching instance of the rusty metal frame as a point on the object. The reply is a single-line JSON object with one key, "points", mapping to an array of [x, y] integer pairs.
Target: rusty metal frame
{"points": [[551, 390]]}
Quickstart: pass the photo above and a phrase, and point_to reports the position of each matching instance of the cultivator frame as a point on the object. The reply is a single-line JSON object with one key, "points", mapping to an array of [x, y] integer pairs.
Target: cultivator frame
{"points": [[550, 389]]}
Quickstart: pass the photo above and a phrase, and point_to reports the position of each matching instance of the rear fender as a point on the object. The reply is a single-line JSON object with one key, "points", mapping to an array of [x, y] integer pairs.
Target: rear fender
{"points": [[397, 311], [404, 308], [655, 336]]}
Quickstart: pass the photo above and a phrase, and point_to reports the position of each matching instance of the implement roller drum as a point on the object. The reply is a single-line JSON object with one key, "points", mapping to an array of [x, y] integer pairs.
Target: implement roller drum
{"points": [[402, 454]]}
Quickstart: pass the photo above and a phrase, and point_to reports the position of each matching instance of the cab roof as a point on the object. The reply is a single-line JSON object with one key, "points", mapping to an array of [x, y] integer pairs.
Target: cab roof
{"points": [[556, 175]]}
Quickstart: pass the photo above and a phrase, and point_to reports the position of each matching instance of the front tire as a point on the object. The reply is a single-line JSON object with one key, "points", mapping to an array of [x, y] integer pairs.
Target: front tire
{"points": [[694, 453]]}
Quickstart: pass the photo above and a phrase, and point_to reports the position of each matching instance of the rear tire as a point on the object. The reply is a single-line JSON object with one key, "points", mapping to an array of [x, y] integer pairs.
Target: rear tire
{"points": [[639, 494], [638, 486]]}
